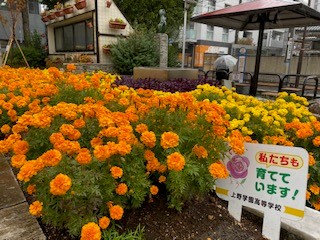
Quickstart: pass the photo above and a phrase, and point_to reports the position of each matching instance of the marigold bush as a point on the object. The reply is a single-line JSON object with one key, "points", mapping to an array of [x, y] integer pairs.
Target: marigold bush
{"points": [[88, 149]]}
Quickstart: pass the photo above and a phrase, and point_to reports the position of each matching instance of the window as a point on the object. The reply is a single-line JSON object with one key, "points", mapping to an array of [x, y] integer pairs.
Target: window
{"points": [[33, 7], [75, 37], [210, 30], [211, 5], [225, 35]]}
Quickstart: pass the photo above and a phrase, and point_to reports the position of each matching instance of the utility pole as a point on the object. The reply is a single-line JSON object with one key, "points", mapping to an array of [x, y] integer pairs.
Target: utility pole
{"points": [[301, 53], [236, 37]]}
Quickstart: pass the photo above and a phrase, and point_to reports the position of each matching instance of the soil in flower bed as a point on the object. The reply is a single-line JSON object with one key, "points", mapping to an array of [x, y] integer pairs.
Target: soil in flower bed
{"points": [[201, 219]]}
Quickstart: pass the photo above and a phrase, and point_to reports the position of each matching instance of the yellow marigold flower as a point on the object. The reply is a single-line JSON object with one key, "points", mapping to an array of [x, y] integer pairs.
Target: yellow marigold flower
{"points": [[316, 141], [90, 231], [176, 161], [308, 195], [162, 179], [148, 138], [35, 208], [104, 222], [18, 161], [122, 189], [200, 151], [312, 161], [21, 147], [31, 189], [116, 172], [71, 67], [116, 212], [60, 184], [5, 129], [169, 140], [84, 156], [154, 190], [218, 170], [314, 189], [51, 158]]}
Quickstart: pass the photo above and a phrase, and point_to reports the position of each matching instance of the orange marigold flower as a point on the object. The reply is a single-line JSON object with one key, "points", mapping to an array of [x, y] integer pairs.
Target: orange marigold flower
{"points": [[316, 205], [316, 141], [31, 189], [18, 161], [176, 161], [104, 222], [123, 101], [304, 132], [5, 129], [122, 189], [51, 158], [84, 156], [200, 151], [140, 128], [162, 168], [29, 169], [116, 212], [162, 179], [149, 155], [90, 231], [312, 161], [218, 170], [21, 147], [148, 138], [308, 195], [236, 141], [96, 142], [123, 148], [154, 190], [314, 189], [169, 140], [60, 184], [35, 208], [219, 130], [79, 123], [116, 172], [71, 67]]}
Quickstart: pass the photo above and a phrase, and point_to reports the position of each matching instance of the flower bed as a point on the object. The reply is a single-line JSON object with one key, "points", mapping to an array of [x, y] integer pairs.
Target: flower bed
{"points": [[88, 149]]}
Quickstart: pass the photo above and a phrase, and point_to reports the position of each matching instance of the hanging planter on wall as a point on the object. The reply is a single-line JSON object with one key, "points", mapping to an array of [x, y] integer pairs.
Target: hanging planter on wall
{"points": [[108, 3], [80, 4], [45, 19], [106, 49], [117, 24], [52, 15], [68, 9], [60, 13]]}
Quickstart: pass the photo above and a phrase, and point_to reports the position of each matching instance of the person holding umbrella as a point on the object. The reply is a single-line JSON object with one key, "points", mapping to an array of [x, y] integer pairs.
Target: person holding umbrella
{"points": [[224, 65]]}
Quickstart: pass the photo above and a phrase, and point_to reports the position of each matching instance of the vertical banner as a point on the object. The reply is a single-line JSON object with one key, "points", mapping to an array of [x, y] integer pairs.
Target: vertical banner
{"points": [[242, 56]]}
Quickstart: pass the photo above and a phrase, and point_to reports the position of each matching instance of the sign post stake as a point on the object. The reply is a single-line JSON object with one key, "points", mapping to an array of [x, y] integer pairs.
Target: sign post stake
{"points": [[271, 226]]}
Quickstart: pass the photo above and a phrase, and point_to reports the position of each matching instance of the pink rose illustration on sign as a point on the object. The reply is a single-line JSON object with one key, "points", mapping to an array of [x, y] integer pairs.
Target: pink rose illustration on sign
{"points": [[238, 166]]}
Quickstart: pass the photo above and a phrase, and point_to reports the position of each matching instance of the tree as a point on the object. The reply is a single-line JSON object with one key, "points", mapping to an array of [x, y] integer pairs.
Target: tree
{"points": [[146, 12]]}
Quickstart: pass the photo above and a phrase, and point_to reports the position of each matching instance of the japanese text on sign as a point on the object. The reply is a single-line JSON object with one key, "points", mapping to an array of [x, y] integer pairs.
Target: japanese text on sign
{"points": [[280, 160]]}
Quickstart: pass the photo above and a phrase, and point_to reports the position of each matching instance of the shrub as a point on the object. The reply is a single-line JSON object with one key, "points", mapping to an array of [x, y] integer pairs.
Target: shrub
{"points": [[139, 49]]}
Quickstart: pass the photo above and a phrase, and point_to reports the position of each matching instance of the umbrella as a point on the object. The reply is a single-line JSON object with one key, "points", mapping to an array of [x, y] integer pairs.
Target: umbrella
{"points": [[225, 62], [260, 15]]}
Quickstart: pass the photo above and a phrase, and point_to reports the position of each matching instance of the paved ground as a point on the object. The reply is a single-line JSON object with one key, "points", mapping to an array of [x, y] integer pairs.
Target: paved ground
{"points": [[15, 220]]}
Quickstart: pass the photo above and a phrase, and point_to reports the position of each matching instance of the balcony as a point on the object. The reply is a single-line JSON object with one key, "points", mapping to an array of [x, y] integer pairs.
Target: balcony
{"points": [[191, 35]]}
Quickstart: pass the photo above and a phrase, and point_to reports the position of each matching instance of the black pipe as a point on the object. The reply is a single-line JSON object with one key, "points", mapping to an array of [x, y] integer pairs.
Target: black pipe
{"points": [[97, 30]]}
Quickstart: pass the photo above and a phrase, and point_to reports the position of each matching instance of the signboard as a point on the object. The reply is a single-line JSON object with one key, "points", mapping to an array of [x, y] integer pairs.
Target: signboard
{"points": [[242, 55], [269, 178], [289, 49]]}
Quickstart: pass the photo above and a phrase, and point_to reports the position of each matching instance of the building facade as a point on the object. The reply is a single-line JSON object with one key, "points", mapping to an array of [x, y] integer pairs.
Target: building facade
{"points": [[205, 43], [85, 31]]}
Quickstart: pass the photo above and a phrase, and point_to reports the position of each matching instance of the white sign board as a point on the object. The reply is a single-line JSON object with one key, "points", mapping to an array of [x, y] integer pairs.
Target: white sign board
{"points": [[269, 178]]}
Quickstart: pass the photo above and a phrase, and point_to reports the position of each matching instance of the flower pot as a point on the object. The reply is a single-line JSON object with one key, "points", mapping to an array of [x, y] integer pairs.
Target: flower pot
{"points": [[117, 25], [81, 4], [52, 16], [60, 13], [45, 19], [108, 3], [68, 10], [106, 50]]}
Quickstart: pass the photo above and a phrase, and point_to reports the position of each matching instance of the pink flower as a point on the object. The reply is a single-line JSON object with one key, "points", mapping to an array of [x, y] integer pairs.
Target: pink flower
{"points": [[238, 166]]}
